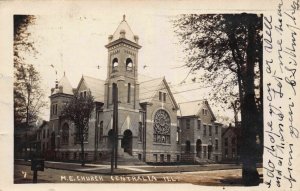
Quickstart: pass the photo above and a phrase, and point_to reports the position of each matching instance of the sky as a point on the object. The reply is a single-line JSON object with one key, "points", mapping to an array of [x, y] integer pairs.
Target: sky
{"points": [[75, 45]]}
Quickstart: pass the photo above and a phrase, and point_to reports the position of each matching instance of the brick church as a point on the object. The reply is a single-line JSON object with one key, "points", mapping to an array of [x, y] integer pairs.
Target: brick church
{"points": [[152, 126]]}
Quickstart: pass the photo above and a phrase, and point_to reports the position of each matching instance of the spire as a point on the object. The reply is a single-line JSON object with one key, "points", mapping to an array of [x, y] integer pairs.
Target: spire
{"points": [[63, 86], [123, 31]]}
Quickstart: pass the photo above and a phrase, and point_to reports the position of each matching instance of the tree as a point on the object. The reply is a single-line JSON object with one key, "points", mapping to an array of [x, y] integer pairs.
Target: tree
{"points": [[28, 95], [79, 110], [227, 48]]}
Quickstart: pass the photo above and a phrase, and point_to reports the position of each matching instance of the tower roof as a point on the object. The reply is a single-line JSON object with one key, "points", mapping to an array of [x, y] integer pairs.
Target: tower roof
{"points": [[64, 86], [123, 32]]}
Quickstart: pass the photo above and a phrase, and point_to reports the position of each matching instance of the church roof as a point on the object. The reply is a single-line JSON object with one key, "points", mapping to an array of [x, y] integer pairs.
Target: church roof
{"points": [[148, 88], [96, 86], [123, 27], [64, 86]]}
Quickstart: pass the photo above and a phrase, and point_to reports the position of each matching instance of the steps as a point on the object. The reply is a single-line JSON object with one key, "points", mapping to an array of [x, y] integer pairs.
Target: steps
{"points": [[204, 161], [125, 159]]}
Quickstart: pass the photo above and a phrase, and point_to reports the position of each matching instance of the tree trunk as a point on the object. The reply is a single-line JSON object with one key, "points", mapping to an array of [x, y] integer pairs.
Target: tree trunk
{"points": [[82, 147], [249, 126]]}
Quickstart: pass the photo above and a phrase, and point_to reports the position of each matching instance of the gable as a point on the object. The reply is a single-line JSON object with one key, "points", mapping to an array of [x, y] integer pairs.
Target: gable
{"points": [[94, 85], [205, 112], [82, 86], [150, 91]]}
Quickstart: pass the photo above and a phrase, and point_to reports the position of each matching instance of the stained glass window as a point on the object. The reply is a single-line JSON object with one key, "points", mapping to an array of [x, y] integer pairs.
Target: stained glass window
{"points": [[162, 124]]}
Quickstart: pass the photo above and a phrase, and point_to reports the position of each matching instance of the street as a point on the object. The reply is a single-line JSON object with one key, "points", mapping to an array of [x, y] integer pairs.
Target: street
{"points": [[59, 172]]}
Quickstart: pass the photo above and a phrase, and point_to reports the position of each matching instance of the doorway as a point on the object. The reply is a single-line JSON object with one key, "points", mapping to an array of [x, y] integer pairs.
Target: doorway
{"points": [[126, 143], [199, 148], [209, 149]]}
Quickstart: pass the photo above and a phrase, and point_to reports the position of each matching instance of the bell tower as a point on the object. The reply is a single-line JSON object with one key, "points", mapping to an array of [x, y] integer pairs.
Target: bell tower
{"points": [[122, 67]]}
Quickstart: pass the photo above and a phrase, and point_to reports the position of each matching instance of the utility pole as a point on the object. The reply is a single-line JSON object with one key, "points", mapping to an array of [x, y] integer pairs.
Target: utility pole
{"points": [[114, 151], [115, 89], [112, 157]]}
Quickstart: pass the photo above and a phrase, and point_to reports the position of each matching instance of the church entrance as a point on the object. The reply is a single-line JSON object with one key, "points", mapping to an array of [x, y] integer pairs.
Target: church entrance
{"points": [[126, 143], [209, 149], [110, 138]]}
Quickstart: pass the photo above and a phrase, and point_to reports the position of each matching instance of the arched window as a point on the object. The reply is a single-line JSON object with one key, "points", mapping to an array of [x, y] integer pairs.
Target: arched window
{"points": [[65, 134], [140, 134], [101, 131], [115, 64], [162, 127], [129, 64], [129, 92]]}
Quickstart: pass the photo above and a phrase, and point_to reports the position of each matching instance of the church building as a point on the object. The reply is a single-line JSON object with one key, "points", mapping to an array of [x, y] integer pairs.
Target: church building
{"points": [[152, 126]]}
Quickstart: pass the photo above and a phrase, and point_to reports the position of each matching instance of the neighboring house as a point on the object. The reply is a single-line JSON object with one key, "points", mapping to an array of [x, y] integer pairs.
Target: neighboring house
{"points": [[46, 139], [230, 144], [149, 128], [200, 134], [25, 142]]}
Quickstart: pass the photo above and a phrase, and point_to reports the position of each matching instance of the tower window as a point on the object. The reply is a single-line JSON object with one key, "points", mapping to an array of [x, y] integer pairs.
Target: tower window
{"points": [[129, 64], [129, 92], [115, 64], [54, 109]]}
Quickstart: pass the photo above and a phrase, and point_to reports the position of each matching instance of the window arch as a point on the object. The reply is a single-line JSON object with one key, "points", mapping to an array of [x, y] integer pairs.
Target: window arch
{"points": [[129, 64], [115, 64], [162, 127], [65, 134]]}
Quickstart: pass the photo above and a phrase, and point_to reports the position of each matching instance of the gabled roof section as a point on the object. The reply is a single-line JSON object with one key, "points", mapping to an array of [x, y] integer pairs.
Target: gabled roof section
{"points": [[123, 31], [64, 86], [149, 88], [96, 86], [210, 110], [193, 108]]}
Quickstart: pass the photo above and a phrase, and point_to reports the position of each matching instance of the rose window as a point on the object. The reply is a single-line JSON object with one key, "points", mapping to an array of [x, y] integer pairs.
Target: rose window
{"points": [[162, 124]]}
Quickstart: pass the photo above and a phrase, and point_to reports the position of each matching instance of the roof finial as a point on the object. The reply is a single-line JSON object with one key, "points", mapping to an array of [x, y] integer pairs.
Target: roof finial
{"points": [[124, 16]]}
